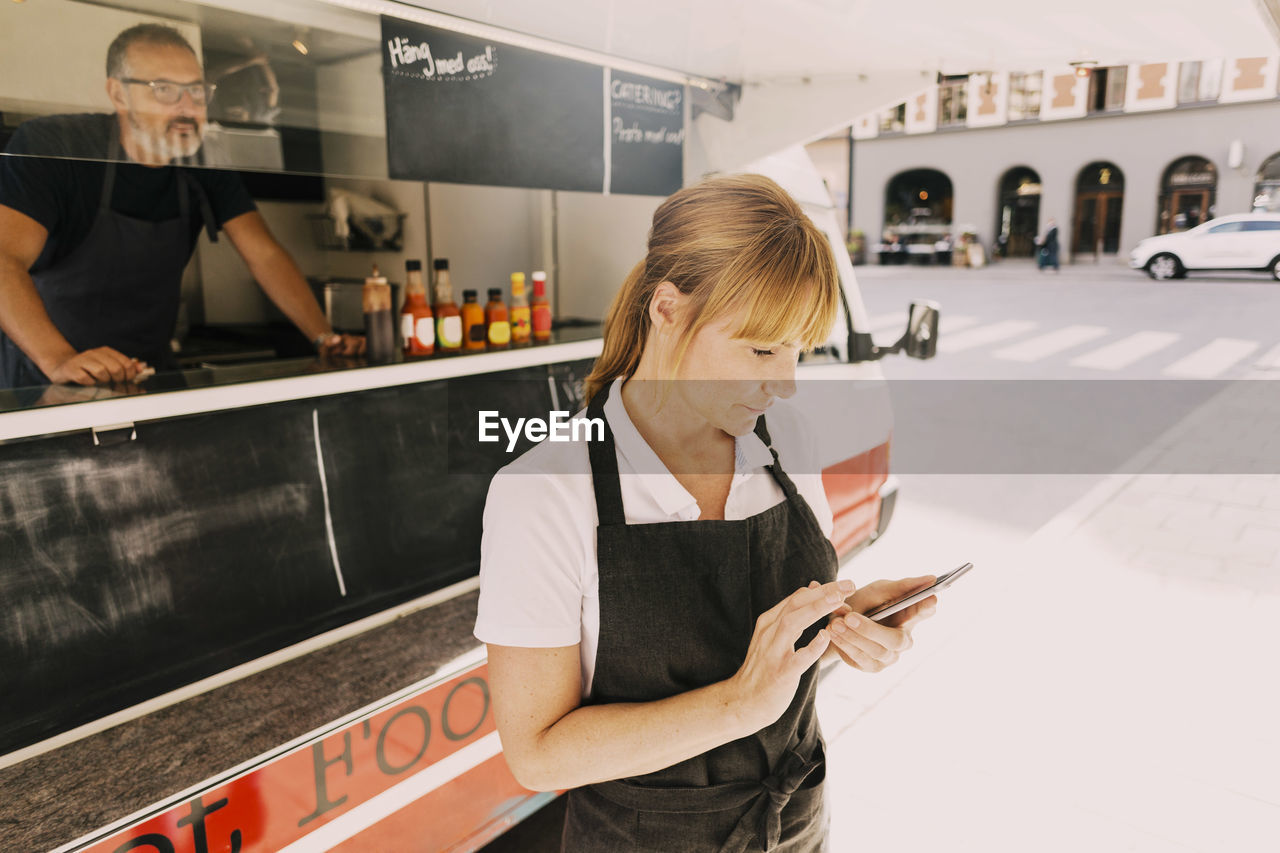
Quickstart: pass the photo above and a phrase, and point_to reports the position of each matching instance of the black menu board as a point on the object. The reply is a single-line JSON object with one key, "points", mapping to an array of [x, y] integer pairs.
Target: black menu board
{"points": [[646, 135], [467, 110], [462, 109]]}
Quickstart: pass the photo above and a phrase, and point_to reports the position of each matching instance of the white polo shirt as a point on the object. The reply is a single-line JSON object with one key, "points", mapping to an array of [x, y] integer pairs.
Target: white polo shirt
{"points": [[539, 581]]}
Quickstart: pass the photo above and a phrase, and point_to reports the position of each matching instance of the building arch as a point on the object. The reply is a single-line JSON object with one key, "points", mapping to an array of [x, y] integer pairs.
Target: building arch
{"points": [[1098, 208], [1188, 194], [917, 215], [1018, 212], [1266, 186], [918, 197]]}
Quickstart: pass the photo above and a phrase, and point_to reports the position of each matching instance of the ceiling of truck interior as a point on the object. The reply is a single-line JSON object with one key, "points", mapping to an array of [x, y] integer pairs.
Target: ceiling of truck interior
{"points": [[763, 40]]}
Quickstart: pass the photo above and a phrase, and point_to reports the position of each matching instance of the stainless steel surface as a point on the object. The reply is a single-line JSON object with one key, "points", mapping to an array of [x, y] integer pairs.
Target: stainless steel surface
{"points": [[341, 298]]}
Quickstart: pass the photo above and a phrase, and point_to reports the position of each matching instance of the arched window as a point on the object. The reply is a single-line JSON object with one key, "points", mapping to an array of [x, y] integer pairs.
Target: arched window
{"points": [[1018, 220], [917, 213], [918, 196], [1188, 192], [1099, 200], [1266, 187]]}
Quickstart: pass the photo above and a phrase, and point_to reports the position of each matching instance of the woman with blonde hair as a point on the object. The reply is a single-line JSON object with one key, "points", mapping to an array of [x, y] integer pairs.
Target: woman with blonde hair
{"points": [[654, 603]]}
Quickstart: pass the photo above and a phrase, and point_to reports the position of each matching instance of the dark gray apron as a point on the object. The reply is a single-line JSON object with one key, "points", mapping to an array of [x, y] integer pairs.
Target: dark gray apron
{"points": [[678, 605], [120, 287]]}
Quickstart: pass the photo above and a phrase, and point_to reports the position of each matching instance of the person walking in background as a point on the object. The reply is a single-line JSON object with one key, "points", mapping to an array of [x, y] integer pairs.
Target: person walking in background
{"points": [[1048, 254]]}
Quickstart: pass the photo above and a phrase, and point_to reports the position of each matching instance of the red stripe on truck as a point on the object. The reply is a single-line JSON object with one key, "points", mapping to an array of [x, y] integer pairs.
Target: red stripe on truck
{"points": [[853, 490]]}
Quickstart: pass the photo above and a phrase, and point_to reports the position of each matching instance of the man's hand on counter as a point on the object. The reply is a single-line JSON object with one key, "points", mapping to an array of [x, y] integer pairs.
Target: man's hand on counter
{"points": [[99, 366], [340, 346]]}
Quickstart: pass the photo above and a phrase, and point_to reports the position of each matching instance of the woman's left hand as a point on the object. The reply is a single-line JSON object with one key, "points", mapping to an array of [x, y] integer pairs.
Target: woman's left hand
{"points": [[873, 646]]}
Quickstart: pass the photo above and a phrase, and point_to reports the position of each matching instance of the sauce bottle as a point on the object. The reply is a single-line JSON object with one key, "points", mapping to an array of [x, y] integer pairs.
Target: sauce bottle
{"points": [[521, 327], [541, 309], [448, 318], [417, 326], [379, 331], [472, 322], [495, 316]]}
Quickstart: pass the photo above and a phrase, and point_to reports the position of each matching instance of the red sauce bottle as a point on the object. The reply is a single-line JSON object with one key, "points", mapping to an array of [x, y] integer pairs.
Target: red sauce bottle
{"points": [[417, 326], [541, 309]]}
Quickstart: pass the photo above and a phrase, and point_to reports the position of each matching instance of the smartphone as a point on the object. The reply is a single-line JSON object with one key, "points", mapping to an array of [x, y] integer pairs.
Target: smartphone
{"points": [[886, 610]]}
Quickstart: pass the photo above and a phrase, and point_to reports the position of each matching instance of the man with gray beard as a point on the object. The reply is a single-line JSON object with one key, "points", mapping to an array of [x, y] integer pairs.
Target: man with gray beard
{"points": [[98, 219]]}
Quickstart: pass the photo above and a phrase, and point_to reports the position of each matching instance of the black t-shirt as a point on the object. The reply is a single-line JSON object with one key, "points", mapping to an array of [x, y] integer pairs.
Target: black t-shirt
{"points": [[58, 182]]}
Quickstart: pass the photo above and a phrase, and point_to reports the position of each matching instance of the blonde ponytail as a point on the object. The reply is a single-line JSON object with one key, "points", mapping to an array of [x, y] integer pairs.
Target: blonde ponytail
{"points": [[625, 331]]}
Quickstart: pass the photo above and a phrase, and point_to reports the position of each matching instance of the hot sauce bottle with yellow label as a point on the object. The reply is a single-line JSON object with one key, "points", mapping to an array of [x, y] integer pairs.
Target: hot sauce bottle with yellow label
{"points": [[495, 318], [521, 321]]}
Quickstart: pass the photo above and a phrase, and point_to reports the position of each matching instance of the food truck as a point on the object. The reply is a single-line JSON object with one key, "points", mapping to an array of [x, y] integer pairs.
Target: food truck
{"points": [[238, 596]]}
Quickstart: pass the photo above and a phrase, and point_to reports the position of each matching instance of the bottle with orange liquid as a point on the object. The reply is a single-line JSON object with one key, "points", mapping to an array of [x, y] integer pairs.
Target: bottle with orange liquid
{"points": [[472, 323], [521, 325], [495, 317], [417, 326]]}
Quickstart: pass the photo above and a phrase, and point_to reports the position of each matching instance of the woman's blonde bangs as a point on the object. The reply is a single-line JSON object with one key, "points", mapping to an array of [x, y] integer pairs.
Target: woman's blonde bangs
{"points": [[792, 296]]}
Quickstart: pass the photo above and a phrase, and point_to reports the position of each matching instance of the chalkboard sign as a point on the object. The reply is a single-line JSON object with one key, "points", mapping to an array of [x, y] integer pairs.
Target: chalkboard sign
{"points": [[646, 135], [473, 111], [129, 570]]}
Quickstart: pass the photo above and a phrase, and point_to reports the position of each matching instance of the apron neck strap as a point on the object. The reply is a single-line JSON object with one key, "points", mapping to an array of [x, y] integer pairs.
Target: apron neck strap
{"points": [[763, 432], [114, 153], [788, 487], [604, 466], [188, 183]]}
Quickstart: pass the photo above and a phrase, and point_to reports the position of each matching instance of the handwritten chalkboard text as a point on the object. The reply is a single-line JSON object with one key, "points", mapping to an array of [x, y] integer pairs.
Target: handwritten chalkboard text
{"points": [[635, 133], [649, 96], [402, 52]]}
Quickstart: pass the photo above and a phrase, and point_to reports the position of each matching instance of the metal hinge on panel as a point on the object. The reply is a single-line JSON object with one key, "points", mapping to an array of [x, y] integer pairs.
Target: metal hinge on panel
{"points": [[114, 434], [714, 97]]}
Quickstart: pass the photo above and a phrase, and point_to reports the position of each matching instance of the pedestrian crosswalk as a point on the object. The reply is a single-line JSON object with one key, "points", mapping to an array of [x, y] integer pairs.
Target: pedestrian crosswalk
{"points": [[1270, 361], [1048, 344], [982, 335], [1212, 360], [1126, 351], [1098, 349]]}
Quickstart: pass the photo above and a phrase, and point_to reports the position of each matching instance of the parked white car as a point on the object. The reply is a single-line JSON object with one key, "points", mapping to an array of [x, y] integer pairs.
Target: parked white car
{"points": [[1243, 241]]}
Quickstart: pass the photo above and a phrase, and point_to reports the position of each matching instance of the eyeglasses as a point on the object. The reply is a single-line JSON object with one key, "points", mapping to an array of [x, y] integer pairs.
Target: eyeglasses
{"points": [[169, 93]]}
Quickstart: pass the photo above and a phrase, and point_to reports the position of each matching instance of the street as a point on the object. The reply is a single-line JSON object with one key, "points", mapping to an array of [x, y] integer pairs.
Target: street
{"points": [[1007, 321], [1089, 322]]}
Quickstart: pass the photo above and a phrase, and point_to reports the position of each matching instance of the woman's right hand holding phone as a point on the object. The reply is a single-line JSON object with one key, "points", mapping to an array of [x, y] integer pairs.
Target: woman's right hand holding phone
{"points": [[871, 645], [766, 683]]}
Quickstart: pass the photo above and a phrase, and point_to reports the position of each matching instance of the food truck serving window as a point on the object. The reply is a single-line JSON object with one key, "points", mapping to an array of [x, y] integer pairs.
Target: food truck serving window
{"points": [[359, 140]]}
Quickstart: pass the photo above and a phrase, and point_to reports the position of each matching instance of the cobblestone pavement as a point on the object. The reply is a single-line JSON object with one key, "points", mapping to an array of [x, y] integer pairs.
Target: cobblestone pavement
{"points": [[1109, 684]]}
